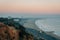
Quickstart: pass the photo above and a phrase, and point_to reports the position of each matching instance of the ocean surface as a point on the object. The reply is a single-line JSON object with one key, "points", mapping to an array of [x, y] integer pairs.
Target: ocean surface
{"points": [[50, 24]]}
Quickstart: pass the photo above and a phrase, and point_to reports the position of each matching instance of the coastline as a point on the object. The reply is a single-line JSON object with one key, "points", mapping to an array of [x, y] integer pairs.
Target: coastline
{"points": [[31, 24], [53, 35]]}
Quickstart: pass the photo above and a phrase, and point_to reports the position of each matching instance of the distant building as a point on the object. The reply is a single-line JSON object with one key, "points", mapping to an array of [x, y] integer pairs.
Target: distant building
{"points": [[16, 20]]}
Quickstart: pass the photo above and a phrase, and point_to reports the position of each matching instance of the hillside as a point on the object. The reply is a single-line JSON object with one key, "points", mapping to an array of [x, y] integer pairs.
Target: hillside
{"points": [[24, 29]]}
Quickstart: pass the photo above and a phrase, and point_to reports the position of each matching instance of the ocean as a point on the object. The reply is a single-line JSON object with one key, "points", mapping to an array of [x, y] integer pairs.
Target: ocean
{"points": [[49, 24]]}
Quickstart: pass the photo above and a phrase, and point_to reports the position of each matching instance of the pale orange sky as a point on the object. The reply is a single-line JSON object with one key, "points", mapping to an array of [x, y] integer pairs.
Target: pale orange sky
{"points": [[45, 6]]}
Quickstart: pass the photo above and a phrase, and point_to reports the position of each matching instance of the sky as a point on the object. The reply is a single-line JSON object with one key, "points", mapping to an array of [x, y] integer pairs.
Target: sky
{"points": [[30, 6]]}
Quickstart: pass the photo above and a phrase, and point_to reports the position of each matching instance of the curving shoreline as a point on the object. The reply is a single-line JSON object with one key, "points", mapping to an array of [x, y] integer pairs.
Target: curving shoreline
{"points": [[28, 25]]}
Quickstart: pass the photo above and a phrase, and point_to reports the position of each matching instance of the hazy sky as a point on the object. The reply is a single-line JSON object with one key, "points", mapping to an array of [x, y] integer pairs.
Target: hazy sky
{"points": [[31, 6]]}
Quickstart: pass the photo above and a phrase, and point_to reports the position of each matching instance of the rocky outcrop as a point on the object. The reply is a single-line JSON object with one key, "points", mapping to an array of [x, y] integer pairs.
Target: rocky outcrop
{"points": [[11, 33], [8, 32]]}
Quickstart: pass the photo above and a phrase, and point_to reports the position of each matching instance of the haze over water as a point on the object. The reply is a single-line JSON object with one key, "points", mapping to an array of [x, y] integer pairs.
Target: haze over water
{"points": [[50, 24]]}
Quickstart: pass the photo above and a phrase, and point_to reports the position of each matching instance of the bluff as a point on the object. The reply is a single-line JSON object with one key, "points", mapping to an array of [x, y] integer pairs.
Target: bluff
{"points": [[11, 30]]}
